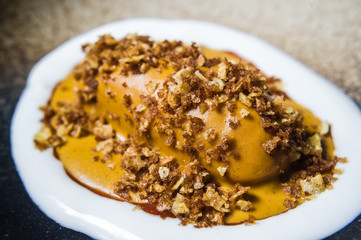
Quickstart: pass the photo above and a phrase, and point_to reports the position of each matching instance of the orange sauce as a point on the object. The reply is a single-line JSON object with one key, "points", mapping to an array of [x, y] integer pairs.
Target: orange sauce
{"points": [[254, 167]]}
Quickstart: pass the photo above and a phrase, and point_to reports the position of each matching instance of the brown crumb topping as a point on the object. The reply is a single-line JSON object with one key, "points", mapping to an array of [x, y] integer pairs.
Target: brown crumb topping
{"points": [[189, 192], [198, 83]]}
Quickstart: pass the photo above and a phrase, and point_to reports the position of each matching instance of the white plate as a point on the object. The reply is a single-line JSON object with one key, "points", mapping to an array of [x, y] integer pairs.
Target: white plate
{"points": [[77, 208]]}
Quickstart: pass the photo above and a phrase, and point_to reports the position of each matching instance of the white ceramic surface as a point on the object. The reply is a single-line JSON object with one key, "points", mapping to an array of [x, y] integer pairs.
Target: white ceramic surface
{"points": [[75, 207]]}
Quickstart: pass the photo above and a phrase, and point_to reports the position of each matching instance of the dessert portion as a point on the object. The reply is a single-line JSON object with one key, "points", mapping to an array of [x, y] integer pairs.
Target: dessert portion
{"points": [[185, 131]]}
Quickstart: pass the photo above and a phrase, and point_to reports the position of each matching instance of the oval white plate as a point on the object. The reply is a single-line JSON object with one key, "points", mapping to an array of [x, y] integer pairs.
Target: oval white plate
{"points": [[75, 207]]}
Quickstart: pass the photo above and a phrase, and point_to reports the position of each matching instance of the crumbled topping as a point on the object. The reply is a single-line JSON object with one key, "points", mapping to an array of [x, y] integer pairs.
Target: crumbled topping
{"points": [[45, 139], [200, 76], [222, 71], [179, 206], [324, 128], [215, 200], [105, 146], [163, 172], [290, 203], [271, 144], [211, 135], [184, 187], [233, 122], [222, 170], [198, 185], [243, 113], [103, 131], [190, 190], [313, 185], [64, 129], [315, 142], [243, 205], [151, 87], [144, 125], [127, 101], [178, 183], [140, 108], [217, 84], [245, 100]]}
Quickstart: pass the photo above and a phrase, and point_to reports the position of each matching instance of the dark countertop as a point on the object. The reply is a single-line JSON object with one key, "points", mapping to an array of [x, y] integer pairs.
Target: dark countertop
{"points": [[326, 36]]}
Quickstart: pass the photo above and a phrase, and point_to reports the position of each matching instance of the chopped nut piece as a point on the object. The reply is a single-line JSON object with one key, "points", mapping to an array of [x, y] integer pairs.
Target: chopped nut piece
{"points": [[324, 128], [270, 145], [217, 84], [290, 203], [146, 152], [184, 72], [178, 183], [105, 146], [201, 60], [132, 160], [237, 192], [197, 125], [243, 205], [144, 125], [76, 132], [244, 113], [222, 98], [163, 206], [222, 71], [203, 107], [151, 86], [200, 76], [313, 185], [103, 131], [127, 101], [315, 142], [41, 138], [210, 156], [289, 110], [250, 220], [111, 166], [140, 108], [173, 100], [225, 143], [198, 185], [132, 59], [184, 88], [213, 198], [63, 130], [222, 170], [158, 188], [211, 135], [246, 101], [119, 136], [166, 159], [179, 206], [171, 140], [163, 172], [233, 122]]}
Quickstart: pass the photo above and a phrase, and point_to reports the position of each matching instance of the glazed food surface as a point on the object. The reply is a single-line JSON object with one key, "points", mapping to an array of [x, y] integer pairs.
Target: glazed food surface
{"points": [[184, 131]]}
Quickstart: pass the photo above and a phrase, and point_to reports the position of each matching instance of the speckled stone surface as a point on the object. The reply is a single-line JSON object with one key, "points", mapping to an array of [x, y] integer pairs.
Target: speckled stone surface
{"points": [[324, 35]]}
